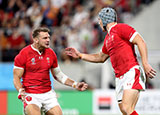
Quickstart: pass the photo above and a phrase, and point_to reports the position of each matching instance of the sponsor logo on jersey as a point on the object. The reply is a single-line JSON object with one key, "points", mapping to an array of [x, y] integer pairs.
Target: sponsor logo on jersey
{"points": [[129, 84], [40, 57]]}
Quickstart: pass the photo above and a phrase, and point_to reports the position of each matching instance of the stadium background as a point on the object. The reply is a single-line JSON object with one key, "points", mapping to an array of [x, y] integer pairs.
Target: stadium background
{"points": [[74, 23]]}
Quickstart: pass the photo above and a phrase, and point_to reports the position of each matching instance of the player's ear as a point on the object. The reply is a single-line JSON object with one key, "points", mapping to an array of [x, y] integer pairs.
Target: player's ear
{"points": [[35, 40]]}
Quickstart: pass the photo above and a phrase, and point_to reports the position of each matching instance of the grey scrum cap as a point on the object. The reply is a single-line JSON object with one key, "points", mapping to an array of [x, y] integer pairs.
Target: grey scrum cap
{"points": [[107, 15]]}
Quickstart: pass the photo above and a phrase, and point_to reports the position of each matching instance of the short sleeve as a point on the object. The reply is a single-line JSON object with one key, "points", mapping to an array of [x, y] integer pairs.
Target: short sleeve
{"points": [[126, 32], [20, 60], [55, 61]]}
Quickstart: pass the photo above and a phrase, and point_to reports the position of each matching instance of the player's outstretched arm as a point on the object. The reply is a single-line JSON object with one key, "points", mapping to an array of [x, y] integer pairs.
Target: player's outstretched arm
{"points": [[62, 78], [138, 40], [95, 58]]}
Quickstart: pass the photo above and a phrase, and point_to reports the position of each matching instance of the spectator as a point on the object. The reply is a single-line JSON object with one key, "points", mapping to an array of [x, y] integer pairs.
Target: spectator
{"points": [[24, 29], [80, 15], [34, 12], [49, 14], [3, 41], [16, 41]]}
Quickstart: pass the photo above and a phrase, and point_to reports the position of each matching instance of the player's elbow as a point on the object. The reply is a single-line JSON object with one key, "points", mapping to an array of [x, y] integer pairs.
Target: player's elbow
{"points": [[103, 60], [103, 57]]}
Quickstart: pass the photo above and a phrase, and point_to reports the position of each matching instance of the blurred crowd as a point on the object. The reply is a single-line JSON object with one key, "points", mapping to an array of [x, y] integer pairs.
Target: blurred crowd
{"points": [[73, 23]]}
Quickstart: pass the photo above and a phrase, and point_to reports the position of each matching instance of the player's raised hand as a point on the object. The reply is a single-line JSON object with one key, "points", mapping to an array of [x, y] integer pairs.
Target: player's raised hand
{"points": [[81, 86], [150, 72], [72, 52]]}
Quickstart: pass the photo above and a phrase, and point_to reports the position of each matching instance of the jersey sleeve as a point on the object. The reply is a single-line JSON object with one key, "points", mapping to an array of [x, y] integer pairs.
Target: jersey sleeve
{"points": [[20, 60], [55, 61], [127, 32]]}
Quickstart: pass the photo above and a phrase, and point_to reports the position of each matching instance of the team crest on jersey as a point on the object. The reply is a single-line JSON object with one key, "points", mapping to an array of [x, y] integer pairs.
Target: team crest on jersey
{"points": [[110, 40], [33, 61], [28, 98], [48, 59]]}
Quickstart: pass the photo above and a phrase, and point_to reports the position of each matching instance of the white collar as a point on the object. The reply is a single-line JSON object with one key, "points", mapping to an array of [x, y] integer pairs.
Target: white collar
{"points": [[111, 27], [36, 50]]}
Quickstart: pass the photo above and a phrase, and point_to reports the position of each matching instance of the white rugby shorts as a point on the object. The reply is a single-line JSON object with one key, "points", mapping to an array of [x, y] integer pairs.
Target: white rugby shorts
{"points": [[44, 101], [133, 79]]}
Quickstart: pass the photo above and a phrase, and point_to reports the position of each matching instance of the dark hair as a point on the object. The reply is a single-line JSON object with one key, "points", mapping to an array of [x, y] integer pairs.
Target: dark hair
{"points": [[38, 30]]}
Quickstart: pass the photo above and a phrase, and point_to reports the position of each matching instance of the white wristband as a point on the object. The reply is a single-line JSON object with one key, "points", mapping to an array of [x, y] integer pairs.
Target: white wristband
{"points": [[20, 89], [74, 84]]}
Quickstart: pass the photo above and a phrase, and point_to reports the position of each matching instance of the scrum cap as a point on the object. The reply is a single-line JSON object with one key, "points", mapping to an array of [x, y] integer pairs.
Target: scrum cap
{"points": [[107, 15]]}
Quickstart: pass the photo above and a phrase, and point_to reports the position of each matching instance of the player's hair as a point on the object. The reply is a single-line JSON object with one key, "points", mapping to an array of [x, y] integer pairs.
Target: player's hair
{"points": [[38, 30]]}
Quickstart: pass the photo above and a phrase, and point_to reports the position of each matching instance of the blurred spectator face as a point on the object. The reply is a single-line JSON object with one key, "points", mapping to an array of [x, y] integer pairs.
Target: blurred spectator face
{"points": [[15, 34], [35, 4], [15, 22], [21, 23], [79, 8]]}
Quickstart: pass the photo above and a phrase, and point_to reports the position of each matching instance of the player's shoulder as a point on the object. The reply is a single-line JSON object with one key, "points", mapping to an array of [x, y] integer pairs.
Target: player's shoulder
{"points": [[23, 53], [123, 26], [50, 50], [25, 49]]}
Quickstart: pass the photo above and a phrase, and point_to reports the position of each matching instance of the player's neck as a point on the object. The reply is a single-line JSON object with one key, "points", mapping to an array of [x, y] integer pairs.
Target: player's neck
{"points": [[36, 46], [110, 25]]}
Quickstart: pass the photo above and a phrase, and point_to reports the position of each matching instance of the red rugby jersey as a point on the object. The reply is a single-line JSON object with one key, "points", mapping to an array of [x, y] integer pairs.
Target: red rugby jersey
{"points": [[118, 46], [36, 67]]}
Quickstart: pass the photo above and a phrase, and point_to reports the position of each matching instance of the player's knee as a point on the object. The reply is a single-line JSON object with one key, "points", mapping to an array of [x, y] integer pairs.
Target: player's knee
{"points": [[54, 111], [32, 109], [126, 109]]}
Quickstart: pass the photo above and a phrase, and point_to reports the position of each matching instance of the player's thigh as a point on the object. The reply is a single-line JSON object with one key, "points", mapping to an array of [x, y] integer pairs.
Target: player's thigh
{"points": [[130, 98], [129, 101], [32, 109], [54, 111]]}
